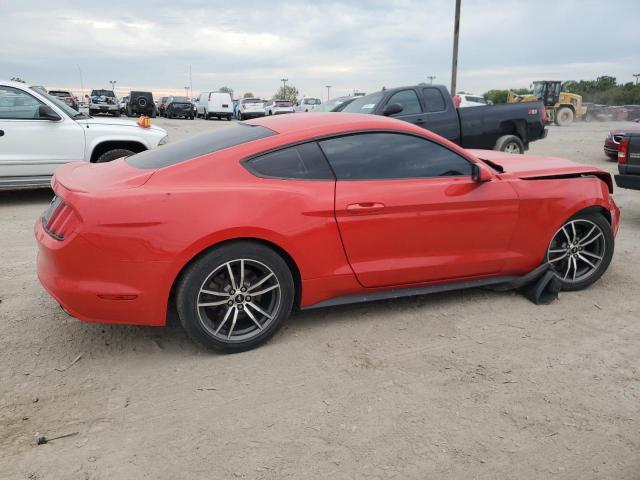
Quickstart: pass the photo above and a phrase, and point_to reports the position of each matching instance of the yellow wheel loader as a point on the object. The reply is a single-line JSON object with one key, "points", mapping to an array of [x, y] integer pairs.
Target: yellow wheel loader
{"points": [[562, 107]]}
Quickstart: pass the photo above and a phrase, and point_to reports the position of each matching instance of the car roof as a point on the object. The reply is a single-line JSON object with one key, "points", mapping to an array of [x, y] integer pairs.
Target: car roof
{"points": [[326, 123], [11, 83]]}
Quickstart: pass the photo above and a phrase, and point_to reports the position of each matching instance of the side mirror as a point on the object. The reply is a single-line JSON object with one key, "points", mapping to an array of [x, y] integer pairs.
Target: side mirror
{"points": [[45, 112], [392, 109], [480, 175]]}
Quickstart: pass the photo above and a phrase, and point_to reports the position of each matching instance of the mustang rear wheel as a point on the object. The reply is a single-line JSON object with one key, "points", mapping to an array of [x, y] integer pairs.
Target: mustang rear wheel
{"points": [[235, 297], [581, 250]]}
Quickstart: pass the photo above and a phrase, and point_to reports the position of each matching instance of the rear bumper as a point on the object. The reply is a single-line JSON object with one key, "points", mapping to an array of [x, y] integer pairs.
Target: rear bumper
{"points": [[628, 181], [93, 287]]}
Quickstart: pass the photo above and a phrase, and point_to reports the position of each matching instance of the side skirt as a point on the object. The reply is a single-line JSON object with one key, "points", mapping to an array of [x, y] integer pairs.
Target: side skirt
{"points": [[497, 283]]}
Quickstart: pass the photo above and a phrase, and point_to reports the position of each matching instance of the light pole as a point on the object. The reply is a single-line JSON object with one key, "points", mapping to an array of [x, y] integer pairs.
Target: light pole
{"points": [[113, 85], [454, 61], [186, 92], [431, 79], [328, 90], [284, 87], [636, 75]]}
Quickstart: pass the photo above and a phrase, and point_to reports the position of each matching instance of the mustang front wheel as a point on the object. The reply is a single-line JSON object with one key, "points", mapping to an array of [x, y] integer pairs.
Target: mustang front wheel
{"points": [[235, 296], [581, 250]]}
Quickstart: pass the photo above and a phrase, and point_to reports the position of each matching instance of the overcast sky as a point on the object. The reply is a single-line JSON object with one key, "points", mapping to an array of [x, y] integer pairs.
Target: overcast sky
{"points": [[250, 45]]}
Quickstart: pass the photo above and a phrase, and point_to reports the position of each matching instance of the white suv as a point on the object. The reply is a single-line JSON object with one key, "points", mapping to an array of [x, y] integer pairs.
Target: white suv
{"points": [[308, 104], [251, 108], [39, 132]]}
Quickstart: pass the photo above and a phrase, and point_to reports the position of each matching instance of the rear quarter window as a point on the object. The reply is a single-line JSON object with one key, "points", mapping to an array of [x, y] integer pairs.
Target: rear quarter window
{"points": [[305, 161], [199, 145]]}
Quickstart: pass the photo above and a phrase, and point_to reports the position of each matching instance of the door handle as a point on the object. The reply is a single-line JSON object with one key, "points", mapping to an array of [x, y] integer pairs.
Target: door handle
{"points": [[420, 121], [364, 207]]}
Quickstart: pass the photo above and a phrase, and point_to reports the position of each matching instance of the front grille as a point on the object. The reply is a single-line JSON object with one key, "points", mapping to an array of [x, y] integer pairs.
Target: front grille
{"points": [[59, 219]]}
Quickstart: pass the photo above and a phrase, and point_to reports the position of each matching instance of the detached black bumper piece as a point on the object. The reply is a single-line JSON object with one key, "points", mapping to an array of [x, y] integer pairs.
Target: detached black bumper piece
{"points": [[628, 181]]}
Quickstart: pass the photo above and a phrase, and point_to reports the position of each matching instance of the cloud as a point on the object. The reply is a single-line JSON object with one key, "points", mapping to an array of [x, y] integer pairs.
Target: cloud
{"points": [[250, 45]]}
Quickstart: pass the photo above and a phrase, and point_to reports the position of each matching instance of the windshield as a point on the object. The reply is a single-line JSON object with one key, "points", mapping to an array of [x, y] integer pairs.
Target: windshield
{"points": [[102, 93], [251, 100], [311, 101], [364, 104], [283, 104], [538, 89], [180, 99], [60, 104]]}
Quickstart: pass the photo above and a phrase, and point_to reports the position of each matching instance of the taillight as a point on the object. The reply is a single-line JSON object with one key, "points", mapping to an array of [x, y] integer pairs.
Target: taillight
{"points": [[60, 220], [543, 115], [209, 96], [623, 150]]}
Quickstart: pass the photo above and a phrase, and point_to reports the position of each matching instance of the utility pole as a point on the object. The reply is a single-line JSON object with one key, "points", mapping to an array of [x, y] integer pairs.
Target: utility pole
{"points": [[186, 92], [81, 82], [431, 79], [190, 84], [284, 87], [636, 75], [454, 62], [328, 90]]}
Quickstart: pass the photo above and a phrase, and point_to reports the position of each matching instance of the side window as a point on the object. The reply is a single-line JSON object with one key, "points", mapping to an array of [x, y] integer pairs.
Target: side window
{"points": [[370, 156], [16, 104], [304, 161], [409, 101], [433, 100]]}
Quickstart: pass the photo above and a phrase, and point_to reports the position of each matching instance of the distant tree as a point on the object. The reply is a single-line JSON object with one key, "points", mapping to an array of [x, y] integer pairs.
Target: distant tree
{"points": [[227, 90], [500, 96], [247, 95], [290, 93], [17, 79]]}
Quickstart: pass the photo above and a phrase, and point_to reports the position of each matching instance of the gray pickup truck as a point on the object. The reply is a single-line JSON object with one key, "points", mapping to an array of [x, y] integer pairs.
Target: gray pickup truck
{"points": [[509, 127]]}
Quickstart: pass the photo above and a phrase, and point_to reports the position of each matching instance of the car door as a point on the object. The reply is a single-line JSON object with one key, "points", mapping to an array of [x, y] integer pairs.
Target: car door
{"points": [[33, 146], [410, 103], [409, 211], [440, 116]]}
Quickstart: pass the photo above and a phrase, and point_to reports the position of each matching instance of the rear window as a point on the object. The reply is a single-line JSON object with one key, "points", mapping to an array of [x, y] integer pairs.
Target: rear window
{"points": [[199, 145]]}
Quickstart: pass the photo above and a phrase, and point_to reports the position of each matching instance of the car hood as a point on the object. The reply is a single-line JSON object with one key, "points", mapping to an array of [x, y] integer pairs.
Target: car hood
{"points": [[626, 129], [121, 122], [531, 167]]}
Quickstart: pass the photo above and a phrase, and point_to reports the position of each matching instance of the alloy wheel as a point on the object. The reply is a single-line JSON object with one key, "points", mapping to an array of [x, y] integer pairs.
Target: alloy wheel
{"points": [[576, 250], [238, 300]]}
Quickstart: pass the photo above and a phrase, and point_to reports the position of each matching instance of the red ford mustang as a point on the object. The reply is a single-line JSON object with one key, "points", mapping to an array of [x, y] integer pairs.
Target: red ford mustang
{"points": [[244, 224]]}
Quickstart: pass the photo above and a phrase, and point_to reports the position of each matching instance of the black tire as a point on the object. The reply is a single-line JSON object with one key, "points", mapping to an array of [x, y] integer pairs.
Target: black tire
{"points": [[198, 273], [111, 155], [153, 114], [191, 117], [92, 112], [564, 116], [613, 157], [509, 144], [117, 113], [240, 116], [229, 117], [608, 243]]}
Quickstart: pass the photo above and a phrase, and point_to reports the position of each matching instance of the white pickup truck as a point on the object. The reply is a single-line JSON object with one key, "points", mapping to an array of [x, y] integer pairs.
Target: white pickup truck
{"points": [[39, 132]]}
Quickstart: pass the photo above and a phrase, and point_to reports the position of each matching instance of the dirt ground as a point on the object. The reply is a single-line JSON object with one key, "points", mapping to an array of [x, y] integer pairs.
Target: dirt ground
{"points": [[466, 385]]}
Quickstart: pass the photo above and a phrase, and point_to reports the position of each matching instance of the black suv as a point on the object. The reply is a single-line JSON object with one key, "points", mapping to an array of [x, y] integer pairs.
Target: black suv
{"points": [[179, 107], [141, 103]]}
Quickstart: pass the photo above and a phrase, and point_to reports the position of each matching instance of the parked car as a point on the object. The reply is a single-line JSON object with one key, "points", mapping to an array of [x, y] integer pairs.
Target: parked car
{"points": [[162, 104], [141, 103], [179, 107], [629, 161], [103, 101], [123, 104], [235, 244], [250, 108], [336, 104], [509, 127], [278, 107], [471, 100], [308, 104], [40, 132], [612, 142], [67, 97], [215, 104]]}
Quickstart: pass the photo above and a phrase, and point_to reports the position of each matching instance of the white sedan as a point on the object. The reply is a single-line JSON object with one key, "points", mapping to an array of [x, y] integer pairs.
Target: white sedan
{"points": [[39, 132]]}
